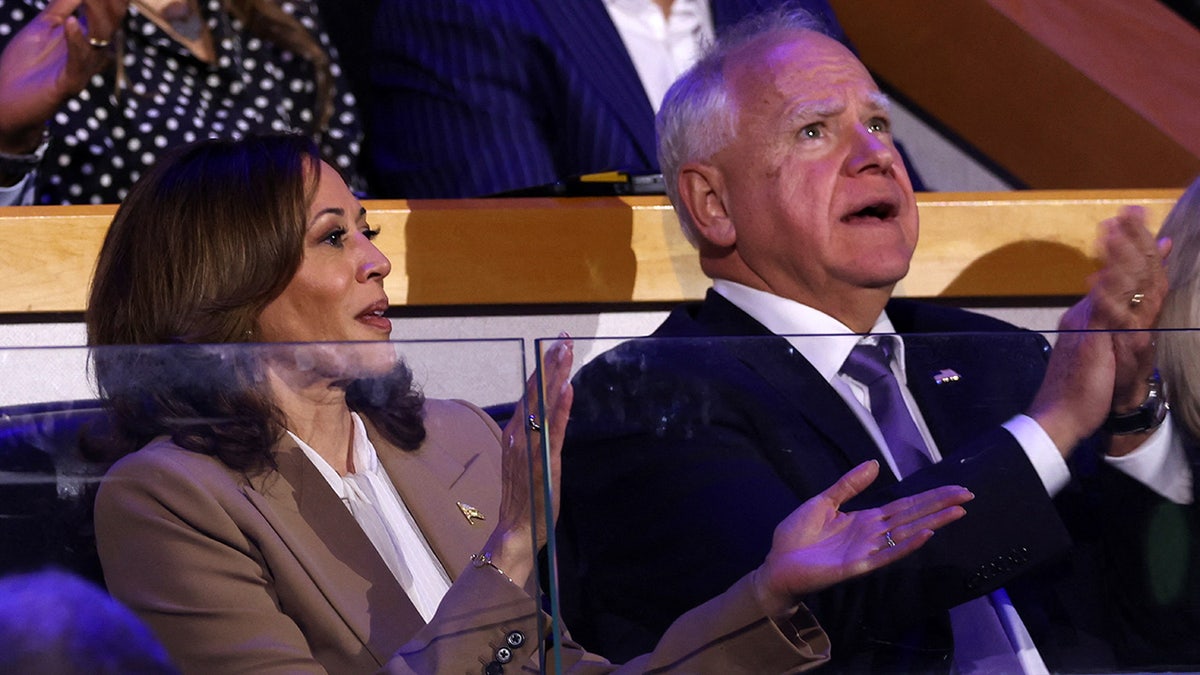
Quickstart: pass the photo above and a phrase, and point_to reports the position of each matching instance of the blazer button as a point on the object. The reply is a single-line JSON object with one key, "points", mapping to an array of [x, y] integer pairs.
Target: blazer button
{"points": [[504, 655], [515, 639], [493, 668]]}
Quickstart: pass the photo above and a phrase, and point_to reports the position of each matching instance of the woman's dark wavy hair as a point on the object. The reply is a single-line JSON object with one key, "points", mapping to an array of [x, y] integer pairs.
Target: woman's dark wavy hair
{"points": [[204, 241]]}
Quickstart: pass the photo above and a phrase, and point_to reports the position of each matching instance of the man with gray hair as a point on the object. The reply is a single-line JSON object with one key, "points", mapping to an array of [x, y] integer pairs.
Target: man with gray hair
{"points": [[683, 454]]}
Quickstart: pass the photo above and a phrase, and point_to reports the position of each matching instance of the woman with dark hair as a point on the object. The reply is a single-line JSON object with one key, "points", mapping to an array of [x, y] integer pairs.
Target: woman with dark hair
{"points": [[95, 91], [296, 505]]}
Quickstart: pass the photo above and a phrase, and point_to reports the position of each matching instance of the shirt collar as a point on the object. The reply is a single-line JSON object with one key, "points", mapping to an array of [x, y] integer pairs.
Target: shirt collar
{"points": [[677, 7], [821, 339], [365, 458]]}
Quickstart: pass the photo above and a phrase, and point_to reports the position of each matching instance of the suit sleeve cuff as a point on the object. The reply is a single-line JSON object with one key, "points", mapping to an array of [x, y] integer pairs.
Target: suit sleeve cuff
{"points": [[748, 640], [1160, 464], [1047, 461], [20, 193]]}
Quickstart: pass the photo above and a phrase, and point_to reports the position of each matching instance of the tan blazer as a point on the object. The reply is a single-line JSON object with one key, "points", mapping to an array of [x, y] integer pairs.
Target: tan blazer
{"points": [[272, 573]]}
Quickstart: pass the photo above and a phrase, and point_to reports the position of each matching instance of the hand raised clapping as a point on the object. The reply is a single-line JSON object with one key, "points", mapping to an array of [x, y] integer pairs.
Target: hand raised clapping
{"points": [[50, 60]]}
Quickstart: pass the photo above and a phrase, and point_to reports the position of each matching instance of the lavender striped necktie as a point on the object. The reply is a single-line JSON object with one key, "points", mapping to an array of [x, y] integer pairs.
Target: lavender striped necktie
{"points": [[870, 365], [981, 642]]}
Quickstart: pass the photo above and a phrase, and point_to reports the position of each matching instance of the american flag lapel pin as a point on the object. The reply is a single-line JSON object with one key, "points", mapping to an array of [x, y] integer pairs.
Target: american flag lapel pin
{"points": [[946, 375]]}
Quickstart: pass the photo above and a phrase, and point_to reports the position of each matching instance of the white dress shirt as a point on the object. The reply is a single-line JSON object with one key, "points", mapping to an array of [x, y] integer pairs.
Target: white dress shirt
{"points": [[826, 342], [374, 502], [662, 47]]}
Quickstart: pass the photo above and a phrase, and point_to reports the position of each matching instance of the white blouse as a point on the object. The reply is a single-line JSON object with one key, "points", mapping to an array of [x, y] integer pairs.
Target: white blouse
{"points": [[387, 522]]}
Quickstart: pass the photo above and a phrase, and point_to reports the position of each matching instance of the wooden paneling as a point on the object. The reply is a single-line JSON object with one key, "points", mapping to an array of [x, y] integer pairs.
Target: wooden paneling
{"points": [[1063, 94], [612, 250]]}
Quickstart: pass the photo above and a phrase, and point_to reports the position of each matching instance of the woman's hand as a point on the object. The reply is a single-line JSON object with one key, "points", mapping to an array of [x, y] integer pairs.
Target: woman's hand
{"points": [[515, 538], [49, 61], [818, 545]]}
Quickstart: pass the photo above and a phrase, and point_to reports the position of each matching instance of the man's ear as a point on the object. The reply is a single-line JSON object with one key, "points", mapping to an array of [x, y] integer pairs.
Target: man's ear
{"points": [[702, 191]]}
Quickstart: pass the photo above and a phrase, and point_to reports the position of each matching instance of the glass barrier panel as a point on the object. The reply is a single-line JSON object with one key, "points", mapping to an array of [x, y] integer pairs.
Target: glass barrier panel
{"points": [[692, 467], [246, 501]]}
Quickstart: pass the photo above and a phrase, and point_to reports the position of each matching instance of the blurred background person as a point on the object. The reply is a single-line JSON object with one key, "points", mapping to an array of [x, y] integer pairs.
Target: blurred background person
{"points": [[477, 97], [95, 90], [1152, 534], [55, 623]]}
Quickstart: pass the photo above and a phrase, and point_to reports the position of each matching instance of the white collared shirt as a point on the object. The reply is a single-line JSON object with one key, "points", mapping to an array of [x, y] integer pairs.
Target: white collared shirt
{"points": [[1160, 463], [661, 47], [378, 508], [826, 342]]}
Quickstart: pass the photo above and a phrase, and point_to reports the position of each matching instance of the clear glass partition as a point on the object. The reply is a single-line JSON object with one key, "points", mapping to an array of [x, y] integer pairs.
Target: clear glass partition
{"points": [[58, 436], [684, 455]]}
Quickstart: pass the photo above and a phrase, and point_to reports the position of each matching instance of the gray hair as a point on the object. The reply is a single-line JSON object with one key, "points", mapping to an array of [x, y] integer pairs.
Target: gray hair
{"points": [[1178, 349], [697, 118]]}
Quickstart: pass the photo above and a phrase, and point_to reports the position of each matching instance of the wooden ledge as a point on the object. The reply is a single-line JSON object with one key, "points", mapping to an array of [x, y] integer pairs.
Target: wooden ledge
{"points": [[1012, 245]]}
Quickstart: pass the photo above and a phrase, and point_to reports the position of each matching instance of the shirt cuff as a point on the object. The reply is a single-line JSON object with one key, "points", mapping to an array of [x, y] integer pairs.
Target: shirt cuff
{"points": [[1047, 461], [20, 194], [1160, 464]]}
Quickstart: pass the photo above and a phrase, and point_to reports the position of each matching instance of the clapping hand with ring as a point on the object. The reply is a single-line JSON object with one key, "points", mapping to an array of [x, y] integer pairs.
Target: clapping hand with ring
{"points": [[50, 60], [522, 522], [819, 545]]}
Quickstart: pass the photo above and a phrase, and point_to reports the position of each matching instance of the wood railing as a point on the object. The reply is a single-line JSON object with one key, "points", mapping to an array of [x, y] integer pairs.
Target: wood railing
{"points": [[1018, 246]]}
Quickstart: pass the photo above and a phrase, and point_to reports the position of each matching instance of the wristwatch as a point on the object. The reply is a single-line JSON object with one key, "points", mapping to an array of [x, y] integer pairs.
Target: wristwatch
{"points": [[1146, 417]]}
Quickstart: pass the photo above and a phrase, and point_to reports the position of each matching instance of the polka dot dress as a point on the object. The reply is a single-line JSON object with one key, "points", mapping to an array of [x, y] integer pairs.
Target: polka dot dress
{"points": [[105, 138]]}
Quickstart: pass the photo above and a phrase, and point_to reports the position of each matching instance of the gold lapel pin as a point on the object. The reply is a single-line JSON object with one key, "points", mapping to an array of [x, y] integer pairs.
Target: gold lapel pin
{"points": [[471, 513], [946, 375]]}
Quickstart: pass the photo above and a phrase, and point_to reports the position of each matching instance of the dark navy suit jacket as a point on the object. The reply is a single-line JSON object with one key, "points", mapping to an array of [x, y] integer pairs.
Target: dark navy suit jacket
{"points": [[477, 97], [682, 457]]}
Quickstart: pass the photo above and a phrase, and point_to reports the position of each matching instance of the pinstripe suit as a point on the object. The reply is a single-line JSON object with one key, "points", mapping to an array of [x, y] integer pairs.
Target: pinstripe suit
{"points": [[475, 97]]}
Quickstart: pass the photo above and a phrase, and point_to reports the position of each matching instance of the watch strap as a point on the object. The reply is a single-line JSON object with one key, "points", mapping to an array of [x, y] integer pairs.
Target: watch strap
{"points": [[1146, 417]]}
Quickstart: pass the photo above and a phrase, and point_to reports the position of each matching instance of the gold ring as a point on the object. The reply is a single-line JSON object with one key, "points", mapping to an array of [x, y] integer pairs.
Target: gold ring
{"points": [[99, 43], [533, 424], [1136, 299]]}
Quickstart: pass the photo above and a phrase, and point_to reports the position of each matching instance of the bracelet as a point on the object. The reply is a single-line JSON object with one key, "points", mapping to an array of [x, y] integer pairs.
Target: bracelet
{"points": [[19, 165], [484, 559]]}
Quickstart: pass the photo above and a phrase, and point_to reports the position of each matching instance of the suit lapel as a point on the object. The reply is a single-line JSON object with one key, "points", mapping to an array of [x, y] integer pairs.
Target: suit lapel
{"points": [[728, 12], [328, 543], [966, 378], [590, 39], [804, 392], [433, 481]]}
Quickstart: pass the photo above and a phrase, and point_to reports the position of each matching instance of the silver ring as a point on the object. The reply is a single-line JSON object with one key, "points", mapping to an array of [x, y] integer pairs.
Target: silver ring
{"points": [[99, 43], [533, 425], [1136, 299], [887, 536]]}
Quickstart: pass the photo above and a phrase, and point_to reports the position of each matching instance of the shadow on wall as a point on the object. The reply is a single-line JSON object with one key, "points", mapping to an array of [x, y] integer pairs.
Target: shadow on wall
{"points": [[1045, 268], [454, 252]]}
